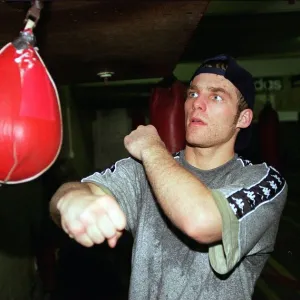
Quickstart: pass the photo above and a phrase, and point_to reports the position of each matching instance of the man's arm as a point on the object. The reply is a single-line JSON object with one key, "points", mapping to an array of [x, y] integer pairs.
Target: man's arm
{"points": [[184, 198], [87, 213], [70, 188]]}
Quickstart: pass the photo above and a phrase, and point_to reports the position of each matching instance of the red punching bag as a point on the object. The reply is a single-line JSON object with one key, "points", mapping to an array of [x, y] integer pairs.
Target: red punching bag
{"points": [[30, 116], [268, 127], [167, 114]]}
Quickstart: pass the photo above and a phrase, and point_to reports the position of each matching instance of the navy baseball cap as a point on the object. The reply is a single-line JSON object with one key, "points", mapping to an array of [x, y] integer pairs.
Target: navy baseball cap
{"points": [[241, 79]]}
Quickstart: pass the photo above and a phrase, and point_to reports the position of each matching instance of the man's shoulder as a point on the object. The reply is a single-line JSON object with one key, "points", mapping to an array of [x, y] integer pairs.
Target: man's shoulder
{"points": [[257, 170], [244, 172]]}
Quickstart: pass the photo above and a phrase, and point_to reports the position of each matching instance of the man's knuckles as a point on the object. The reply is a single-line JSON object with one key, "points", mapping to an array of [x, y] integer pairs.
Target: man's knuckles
{"points": [[75, 228], [84, 240], [106, 226], [95, 234]]}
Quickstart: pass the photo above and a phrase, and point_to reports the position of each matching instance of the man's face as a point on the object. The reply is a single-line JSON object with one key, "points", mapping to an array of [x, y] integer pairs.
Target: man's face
{"points": [[211, 111]]}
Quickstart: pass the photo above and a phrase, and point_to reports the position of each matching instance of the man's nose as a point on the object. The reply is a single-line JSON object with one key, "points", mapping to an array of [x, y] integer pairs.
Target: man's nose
{"points": [[200, 102]]}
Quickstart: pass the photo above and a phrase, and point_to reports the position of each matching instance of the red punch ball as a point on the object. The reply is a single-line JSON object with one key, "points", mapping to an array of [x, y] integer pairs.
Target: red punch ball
{"points": [[30, 115], [167, 115]]}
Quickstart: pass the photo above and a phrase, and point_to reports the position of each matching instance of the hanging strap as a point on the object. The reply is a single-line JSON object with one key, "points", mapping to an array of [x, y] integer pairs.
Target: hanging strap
{"points": [[26, 37], [33, 14]]}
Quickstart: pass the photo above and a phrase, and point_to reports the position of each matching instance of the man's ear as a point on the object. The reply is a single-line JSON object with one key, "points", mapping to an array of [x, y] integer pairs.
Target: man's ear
{"points": [[245, 118]]}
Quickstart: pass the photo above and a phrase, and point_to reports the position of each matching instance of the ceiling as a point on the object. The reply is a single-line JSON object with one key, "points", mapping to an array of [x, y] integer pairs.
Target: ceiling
{"points": [[247, 29], [146, 39], [133, 39]]}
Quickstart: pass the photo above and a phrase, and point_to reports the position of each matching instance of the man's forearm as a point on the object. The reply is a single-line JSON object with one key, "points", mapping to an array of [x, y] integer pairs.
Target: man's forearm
{"points": [[185, 199]]}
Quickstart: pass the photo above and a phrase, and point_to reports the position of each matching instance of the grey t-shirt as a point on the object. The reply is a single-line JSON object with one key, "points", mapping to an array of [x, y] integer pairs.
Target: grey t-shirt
{"points": [[166, 264]]}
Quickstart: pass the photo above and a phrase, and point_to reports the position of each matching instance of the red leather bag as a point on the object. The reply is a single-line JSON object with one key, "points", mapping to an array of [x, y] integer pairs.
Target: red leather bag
{"points": [[30, 115], [167, 115]]}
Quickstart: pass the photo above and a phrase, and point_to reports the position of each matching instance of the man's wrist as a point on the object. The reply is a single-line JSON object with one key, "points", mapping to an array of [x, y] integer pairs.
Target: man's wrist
{"points": [[154, 151], [81, 189]]}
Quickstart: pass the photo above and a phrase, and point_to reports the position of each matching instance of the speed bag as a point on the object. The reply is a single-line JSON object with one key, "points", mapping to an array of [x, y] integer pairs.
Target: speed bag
{"points": [[167, 115], [30, 114]]}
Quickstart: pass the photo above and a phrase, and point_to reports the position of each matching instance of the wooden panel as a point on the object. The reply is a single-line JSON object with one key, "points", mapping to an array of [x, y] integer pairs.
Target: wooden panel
{"points": [[135, 39]]}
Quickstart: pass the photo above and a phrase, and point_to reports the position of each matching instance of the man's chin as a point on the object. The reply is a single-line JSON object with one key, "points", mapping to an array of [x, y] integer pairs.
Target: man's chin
{"points": [[194, 144]]}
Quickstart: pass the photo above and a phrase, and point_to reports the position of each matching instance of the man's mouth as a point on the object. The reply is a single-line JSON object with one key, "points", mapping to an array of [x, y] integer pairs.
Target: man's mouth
{"points": [[197, 121]]}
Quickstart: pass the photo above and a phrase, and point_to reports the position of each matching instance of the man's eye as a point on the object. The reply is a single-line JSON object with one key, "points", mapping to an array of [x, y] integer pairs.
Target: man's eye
{"points": [[193, 95], [217, 98]]}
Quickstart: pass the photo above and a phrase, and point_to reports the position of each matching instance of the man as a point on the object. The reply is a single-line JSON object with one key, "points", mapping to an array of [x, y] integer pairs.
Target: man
{"points": [[204, 220]]}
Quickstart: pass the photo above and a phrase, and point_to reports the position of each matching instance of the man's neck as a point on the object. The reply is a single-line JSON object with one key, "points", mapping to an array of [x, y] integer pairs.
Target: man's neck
{"points": [[208, 158]]}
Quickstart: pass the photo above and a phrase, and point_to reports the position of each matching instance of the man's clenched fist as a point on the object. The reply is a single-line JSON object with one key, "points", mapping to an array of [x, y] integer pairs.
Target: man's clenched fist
{"points": [[143, 138], [91, 219]]}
